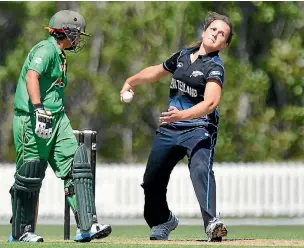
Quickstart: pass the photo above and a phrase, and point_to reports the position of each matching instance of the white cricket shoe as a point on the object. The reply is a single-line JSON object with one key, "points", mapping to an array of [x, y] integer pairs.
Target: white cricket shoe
{"points": [[97, 231], [216, 230], [26, 237]]}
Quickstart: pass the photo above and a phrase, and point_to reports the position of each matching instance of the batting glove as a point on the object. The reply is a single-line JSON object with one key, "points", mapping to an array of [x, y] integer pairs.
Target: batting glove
{"points": [[43, 127]]}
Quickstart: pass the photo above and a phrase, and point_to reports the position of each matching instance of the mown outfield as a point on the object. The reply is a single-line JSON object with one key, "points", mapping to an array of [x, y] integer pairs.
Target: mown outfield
{"points": [[182, 237]]}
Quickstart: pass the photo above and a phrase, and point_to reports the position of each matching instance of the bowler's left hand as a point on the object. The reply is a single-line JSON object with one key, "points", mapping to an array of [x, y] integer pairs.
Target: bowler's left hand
{"points": [[172, 115]]}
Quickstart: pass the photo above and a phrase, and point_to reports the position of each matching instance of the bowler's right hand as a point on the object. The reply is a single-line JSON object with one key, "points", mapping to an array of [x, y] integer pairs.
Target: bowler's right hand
{"points": [[126, 87], [43, 127]]}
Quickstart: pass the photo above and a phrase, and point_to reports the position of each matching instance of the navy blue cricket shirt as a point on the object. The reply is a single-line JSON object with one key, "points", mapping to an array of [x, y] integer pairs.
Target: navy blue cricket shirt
{"points": [[189, 81]]}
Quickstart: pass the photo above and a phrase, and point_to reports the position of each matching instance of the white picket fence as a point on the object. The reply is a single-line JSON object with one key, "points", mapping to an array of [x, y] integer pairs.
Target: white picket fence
{"points": [[242, 190]]}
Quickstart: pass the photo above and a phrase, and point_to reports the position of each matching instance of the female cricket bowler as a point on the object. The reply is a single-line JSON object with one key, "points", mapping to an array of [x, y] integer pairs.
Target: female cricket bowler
{"points": [[43, 135], [189, 127]]}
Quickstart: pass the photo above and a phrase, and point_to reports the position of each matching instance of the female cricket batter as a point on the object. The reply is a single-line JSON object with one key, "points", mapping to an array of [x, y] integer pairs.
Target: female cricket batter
{"points": [[43, 134], [189, 127]]}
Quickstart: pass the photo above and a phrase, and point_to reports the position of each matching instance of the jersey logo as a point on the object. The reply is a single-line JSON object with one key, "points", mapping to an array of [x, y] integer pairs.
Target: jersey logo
{"points": [[59, 83], [180, 64], [196, 74], [181, 86]]}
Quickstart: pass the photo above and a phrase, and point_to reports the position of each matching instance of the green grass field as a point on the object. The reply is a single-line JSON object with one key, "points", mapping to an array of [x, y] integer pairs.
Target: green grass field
{"points": [[182, 237]]}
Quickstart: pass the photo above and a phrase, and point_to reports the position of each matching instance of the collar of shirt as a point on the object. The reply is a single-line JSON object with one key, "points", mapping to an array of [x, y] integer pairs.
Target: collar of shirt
{"points": [[55, 44], [204, 57], [208, 56]]}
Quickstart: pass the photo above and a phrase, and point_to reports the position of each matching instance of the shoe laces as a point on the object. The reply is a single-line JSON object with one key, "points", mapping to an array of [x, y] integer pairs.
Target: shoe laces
{"points": [[28, 236], [162, 229]]}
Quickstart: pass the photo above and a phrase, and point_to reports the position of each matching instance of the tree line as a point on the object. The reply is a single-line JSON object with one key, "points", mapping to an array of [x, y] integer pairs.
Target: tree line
{"points": [[261, 110]]}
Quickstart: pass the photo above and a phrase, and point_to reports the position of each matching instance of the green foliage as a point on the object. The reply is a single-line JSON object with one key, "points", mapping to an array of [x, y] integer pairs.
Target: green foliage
{"points": [[262, 103]]}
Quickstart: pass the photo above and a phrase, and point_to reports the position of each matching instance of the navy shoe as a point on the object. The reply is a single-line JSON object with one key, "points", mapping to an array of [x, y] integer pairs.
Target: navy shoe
{"points": [[162, 231]]}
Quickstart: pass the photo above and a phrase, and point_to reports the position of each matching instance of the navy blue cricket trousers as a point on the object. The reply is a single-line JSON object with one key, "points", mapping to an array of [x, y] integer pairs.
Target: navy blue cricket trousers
{"points": [[170, 145]]}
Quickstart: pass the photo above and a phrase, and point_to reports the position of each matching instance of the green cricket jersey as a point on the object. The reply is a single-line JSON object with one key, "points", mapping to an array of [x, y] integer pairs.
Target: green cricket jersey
{"points": [[50, 63]]}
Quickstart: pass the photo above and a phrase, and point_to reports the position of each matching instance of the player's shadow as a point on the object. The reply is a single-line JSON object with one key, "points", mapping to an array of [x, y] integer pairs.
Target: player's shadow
{"points": [[205, 240], [224, 240]]}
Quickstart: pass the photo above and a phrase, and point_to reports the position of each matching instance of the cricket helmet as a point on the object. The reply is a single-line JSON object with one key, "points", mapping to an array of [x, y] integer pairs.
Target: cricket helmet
{"points": [[72, 24]]}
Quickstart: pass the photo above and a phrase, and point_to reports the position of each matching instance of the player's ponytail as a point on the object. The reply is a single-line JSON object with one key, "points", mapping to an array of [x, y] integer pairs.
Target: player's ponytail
{"points": [[194, 44], [57, 35]]}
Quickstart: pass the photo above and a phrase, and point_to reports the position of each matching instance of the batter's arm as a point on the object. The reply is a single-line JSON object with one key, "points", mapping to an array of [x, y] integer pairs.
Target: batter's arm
{"points": [[32, 85]]}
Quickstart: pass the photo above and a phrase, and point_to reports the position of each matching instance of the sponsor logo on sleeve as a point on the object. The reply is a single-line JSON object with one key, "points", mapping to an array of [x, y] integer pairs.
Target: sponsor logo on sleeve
{"points": [[215, 73], [38, 60]]}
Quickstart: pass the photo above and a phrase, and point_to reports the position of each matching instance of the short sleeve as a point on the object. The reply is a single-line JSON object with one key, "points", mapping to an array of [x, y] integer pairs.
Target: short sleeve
{"points": [[217, 72], [41, 60], [170, 64]]}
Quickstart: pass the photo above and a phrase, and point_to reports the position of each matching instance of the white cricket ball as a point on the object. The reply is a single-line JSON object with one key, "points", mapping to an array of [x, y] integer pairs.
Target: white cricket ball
{"points": [[127, 96]]}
